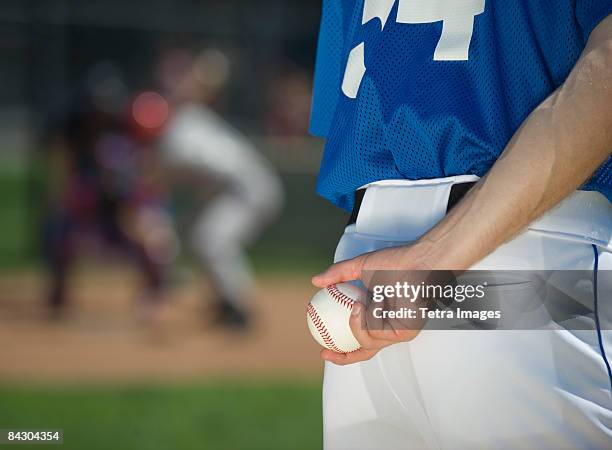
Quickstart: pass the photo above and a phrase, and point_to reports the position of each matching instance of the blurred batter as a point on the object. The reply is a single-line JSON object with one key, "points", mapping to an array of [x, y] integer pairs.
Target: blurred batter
{"points": [[198, 141]]}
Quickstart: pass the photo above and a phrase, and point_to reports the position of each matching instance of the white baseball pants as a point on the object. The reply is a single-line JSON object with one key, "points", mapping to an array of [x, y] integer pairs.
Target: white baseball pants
{"points": [[479, 389], [200, 141]]}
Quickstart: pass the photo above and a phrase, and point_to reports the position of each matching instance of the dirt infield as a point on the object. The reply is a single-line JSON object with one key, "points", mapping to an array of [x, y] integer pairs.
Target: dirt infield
{"points": [[101, 338]]}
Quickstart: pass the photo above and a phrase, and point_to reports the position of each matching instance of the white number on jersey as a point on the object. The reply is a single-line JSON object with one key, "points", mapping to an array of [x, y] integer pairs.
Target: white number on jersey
{"points": [[457, 17]]}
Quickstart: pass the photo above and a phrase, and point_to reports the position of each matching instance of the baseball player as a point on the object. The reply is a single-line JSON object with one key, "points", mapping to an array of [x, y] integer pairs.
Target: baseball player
{"points": [[468, 134], [198, 141], [102, 184]]}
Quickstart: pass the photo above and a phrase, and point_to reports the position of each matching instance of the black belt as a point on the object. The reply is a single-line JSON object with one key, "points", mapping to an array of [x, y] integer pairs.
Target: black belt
{"points": [[456, 193]]}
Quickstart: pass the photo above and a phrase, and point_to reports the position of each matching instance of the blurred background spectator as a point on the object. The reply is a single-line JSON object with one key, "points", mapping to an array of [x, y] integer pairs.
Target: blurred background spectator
{"points": [[98, 217]]}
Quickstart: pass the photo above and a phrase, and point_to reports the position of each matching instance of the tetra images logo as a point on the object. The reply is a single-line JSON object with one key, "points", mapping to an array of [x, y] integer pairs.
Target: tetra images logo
{"points": [[457, 18]]}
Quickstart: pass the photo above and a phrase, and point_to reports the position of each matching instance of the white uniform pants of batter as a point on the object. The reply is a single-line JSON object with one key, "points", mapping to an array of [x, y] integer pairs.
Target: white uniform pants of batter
{"points": [[479, 389], [198, 140]]}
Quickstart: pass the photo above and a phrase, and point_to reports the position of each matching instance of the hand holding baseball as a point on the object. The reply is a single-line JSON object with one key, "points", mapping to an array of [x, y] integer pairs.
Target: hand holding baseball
{"points": [[370, 341]]}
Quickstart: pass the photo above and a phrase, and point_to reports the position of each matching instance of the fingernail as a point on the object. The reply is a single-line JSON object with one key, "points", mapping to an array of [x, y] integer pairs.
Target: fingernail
{"points": [[356, 308]]}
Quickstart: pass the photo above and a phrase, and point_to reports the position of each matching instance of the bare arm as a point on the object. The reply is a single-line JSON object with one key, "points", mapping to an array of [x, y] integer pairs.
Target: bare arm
{"points": [[562, 142], [559, 146]]}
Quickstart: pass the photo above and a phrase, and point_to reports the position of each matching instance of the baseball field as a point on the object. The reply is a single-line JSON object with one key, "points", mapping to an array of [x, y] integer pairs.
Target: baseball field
{"points": [[109, 380]]}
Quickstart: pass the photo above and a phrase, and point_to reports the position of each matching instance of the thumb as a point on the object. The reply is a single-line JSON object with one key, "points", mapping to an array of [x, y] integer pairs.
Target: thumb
{"points": [[337, 273]]}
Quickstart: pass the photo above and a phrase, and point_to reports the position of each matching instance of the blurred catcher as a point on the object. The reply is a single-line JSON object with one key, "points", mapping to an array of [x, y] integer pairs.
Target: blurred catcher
{"points": [[200, 146], [103, 189]]}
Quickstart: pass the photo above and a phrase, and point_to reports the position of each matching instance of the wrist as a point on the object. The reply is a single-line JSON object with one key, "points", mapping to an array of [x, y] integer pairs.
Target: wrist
{"points": [[438, 254], [419, 255]]}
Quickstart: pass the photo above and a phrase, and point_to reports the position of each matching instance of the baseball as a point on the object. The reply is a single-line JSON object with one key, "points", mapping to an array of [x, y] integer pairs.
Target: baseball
{"points": [[328, 315]]}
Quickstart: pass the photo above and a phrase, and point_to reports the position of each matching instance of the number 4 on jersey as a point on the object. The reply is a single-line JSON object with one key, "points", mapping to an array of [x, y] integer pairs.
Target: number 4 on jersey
{"points": [[457, 17]]}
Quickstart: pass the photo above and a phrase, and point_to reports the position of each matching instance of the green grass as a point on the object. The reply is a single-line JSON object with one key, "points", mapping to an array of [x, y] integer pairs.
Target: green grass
{"points": [[16, 236], [223, 415]]}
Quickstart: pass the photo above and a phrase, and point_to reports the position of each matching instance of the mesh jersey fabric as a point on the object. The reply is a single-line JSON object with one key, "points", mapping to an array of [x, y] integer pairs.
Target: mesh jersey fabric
{"points": [[414, 117]]}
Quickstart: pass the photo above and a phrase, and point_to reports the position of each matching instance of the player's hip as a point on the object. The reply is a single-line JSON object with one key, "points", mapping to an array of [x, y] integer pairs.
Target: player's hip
{"points": [[492, 388]]}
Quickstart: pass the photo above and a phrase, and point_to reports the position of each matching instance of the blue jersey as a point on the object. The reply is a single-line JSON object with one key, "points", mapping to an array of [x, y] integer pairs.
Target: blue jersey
{"points": [[413, 89]]}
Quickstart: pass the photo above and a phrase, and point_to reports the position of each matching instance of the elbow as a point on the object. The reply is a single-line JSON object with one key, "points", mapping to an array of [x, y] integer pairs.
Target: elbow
{"points": [[596, 68], [606, 54], [600, 57], [606, 68]]}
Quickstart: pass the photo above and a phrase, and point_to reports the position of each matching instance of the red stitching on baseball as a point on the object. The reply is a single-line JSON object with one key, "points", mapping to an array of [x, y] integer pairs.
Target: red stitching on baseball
{"points": [[340, 297], [322, 330]]}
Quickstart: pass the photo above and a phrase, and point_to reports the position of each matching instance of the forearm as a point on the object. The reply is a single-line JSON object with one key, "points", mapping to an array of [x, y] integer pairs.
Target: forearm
{"points": [[563, 141]]}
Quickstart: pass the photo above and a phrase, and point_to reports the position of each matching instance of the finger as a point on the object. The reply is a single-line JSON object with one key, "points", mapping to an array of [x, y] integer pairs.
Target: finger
{"points": [[342, 359], [406, 331], [340, 272], [361, 332], [393, 335]]}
